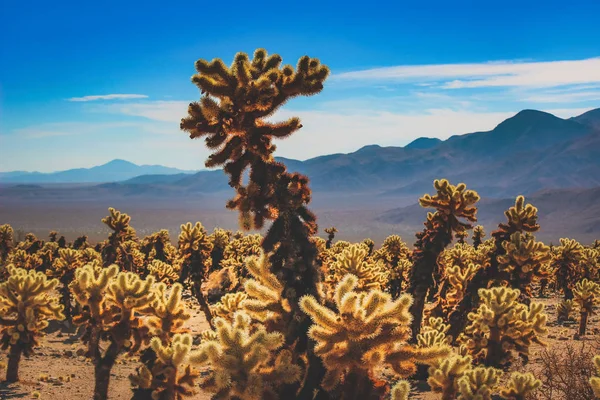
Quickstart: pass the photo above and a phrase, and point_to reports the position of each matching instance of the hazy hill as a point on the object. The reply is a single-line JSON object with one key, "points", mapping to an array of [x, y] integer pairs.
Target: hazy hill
{"points": [[115, 170]]}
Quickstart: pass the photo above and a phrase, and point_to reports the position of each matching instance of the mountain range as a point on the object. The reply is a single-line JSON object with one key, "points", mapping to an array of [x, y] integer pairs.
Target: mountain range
{"points": [[528, 152], [372, 192], [115, 170]]}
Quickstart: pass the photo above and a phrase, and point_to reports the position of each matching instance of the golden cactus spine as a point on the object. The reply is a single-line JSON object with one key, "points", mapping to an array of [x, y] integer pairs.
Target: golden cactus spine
{"points": [[26, 305], [368, 332]]}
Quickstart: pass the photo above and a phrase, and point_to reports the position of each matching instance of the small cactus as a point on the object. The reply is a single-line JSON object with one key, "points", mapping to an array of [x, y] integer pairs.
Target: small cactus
{"points": [[520, 386]]}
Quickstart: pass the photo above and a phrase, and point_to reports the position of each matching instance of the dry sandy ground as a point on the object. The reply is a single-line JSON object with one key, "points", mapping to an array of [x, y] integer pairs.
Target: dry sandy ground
{"points": [[58, 358]]}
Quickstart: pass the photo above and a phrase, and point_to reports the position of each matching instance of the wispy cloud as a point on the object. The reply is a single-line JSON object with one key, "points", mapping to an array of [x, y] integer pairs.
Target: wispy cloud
{"points": [[109, 97], [488, 74], [79, 128], [162, 110]]}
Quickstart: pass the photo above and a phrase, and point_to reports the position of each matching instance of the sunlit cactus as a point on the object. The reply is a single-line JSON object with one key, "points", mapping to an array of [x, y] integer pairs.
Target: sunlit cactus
{"points": [[478, 383], [397, 257], [502, 326], [354, 260], [457, 280], [330, 236], [113, 303], [520, 387], [233, 117], [443, 378], [168, 313], [565, 310], [265, 302], [590, 264], [525, 262], [245, 364], [163, 272], [400, 390], [368, 332], [194, 248], [171, 376], [586, 295], [26, 305], [452, 204], [566, 263], [461, 236], [229, 305], [118, 223], [21, 259], [6, 241], [519, 218], [238, 250]]}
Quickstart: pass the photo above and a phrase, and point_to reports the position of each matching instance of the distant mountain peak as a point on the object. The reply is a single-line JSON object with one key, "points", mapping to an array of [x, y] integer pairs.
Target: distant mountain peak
{"points": [[119, 161], [423, 143]]}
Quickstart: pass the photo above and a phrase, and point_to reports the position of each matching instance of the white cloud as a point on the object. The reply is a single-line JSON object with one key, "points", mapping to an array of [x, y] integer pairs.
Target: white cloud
{"points": [[489, 74], [109, 97], [164, 110]]}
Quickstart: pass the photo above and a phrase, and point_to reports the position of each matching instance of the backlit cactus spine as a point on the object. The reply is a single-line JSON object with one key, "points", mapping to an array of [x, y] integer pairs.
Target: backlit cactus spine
{"points": [[26, 306], [368, 332]]}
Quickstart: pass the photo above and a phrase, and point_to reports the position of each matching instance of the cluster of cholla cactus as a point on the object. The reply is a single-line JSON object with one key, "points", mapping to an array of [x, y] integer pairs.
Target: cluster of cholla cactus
{"points": [[293, 315], [502, 326]]}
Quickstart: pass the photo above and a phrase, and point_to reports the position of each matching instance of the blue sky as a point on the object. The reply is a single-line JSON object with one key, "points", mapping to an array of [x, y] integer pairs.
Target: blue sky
{"points": [[82, 83]]}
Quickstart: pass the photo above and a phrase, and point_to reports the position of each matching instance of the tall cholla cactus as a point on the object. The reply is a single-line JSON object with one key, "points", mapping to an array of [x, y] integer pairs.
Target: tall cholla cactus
{"points": [[163, 272], [444, 376], [566, 265], [397, 257], [586, 296], [369, 331], [195, 248], [330, 236], [122, 232], [26, 306], [525, 262], [245, 364], [6, 241], [452, 204], [219, 239], [520, 218], [502, 325], [63, 268], [233, 117], [113, 304], [171, 377]]}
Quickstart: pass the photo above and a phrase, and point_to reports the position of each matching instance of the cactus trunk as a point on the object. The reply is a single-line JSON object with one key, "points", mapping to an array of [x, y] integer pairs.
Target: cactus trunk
{"points": [[583, 323], [197, 289], [102, 372], [66, 299], [14, 357], [495, 354]]}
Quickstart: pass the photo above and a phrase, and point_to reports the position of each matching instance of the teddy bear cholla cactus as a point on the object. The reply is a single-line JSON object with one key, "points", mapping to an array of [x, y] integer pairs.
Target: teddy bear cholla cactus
{"points": [[368, 332], [478, 383], [525, 262], [114, 302], [564, 310], [167, 312], [586, 295], [26, 306], [397, 258], [63, 268], [452, 204], [595, 380], [502, 325], [353, 260], [171, 375], [163, 272], [520, 386], [566, 264], [245, 363]]}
